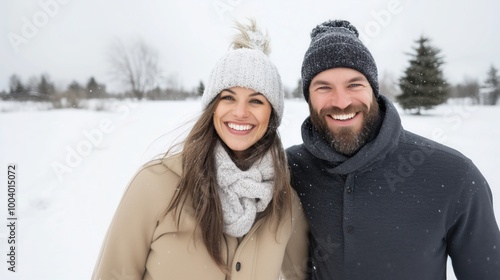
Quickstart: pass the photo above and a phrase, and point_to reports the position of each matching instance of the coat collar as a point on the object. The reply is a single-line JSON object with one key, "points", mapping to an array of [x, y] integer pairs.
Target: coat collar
{"points": [[174, 163]]}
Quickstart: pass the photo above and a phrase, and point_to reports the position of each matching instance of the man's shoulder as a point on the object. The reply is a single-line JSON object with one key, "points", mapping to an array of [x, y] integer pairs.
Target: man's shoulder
{"points": [[296, 150], [413, 141]]}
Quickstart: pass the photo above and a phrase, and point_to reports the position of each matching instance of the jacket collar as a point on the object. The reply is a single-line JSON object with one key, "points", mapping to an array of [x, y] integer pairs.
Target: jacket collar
{"points": [[174, 163], [373, 152]]}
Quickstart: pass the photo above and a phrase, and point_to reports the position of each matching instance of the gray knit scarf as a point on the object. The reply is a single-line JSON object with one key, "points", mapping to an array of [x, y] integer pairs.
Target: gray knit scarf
{"points": [[242, 193]]}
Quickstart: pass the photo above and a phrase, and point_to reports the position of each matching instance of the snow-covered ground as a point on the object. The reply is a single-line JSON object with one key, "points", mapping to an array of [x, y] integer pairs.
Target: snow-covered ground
{"points": [[73, 166]]}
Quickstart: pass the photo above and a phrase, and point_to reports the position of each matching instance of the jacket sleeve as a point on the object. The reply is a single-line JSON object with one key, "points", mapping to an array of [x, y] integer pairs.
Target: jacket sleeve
{"points": [[296, 253], [474, 239], [127, 243]]}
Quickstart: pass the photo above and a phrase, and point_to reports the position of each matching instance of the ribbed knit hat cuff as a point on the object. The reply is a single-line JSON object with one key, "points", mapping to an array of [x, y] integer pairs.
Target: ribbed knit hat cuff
{"points": [[339, 56]]}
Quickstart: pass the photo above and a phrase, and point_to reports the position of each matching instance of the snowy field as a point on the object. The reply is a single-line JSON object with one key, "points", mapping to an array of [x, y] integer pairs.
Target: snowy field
{"points": [[73, 166]]}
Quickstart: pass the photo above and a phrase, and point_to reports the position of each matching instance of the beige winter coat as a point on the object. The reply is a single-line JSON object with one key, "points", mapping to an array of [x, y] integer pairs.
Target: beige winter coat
{"points": [[144, 243]]}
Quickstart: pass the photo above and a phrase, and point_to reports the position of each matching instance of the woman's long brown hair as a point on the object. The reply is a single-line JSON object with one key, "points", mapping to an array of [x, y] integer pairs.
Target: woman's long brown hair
{"points": [[199, 182]]}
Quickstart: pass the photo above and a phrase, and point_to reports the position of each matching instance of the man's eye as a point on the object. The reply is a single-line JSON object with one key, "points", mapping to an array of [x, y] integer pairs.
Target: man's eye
{"points": [[355, 85]]}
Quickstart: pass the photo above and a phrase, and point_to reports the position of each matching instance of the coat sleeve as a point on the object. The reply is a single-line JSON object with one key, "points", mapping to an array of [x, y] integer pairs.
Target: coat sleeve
{"points": [[296, 253], [474, 239], [127, 243]]}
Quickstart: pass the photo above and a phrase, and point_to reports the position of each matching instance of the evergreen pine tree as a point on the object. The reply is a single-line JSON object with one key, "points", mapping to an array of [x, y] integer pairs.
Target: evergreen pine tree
{"points": [[492, 84], [297, 92], [45, 88], [16, 88], [423, 85], [94, 89], [200, 89]]}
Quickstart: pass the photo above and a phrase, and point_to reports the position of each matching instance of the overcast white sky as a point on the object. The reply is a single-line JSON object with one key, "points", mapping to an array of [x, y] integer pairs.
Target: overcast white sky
{"points": [[69, 39]]}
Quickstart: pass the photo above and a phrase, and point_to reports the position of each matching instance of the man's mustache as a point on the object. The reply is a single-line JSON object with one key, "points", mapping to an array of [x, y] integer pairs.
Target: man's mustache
{"points": [[348, 110]]}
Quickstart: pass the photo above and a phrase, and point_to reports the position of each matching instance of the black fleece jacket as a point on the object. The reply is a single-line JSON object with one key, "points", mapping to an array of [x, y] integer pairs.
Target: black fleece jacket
{"points": [[396, 209]]}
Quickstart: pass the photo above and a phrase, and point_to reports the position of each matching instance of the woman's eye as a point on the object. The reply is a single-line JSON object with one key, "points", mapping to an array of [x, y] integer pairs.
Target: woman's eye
{"points": [[256, 101], [226, 97]]}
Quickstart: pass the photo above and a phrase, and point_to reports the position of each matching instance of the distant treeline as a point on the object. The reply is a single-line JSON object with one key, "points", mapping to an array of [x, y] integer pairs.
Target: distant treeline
{"points": [[135, 66], [43, 89]]}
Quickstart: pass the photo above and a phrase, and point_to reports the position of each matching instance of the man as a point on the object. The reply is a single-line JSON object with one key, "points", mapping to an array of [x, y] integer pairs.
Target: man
{"points": [[382, 202]]}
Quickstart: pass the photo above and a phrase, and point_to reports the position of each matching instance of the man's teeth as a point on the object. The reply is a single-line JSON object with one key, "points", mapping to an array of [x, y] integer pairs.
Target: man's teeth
{"points": [[239, 127], [343, 117]]}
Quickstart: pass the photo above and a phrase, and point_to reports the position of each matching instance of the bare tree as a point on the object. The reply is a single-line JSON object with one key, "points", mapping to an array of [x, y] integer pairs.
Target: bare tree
{"points": [[135, 65], [469, 88]]}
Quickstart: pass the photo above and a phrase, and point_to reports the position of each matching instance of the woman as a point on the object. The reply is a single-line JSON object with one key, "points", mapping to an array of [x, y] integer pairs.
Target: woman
{"points": [[223, 207]]}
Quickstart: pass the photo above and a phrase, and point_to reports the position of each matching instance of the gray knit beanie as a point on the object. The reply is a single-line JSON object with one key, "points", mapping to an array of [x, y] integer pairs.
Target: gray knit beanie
{"points": [[247, 65], [336, 44]]}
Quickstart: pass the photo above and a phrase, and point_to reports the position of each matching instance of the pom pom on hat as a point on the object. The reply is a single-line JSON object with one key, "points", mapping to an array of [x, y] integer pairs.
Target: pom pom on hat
{"points": [[247, 65], [328, 25], [250, 37], [336, 44]]}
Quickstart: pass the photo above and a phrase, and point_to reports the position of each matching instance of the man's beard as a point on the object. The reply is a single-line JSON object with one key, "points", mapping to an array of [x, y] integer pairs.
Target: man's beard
{"points": [[345, 140]]}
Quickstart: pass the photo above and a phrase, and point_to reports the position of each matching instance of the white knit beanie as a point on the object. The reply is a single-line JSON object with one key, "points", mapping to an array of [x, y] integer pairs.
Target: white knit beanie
{"points": [[247, 65]]}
